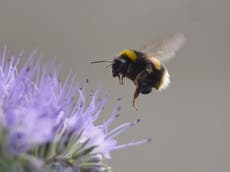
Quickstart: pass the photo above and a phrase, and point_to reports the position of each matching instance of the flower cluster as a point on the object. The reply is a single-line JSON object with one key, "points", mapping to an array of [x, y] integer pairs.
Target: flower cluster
{"points": [[46, 124]]}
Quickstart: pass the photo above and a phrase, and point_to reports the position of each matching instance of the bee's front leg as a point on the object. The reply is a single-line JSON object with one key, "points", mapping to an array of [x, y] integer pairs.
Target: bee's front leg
{"points": [[121, 77]]}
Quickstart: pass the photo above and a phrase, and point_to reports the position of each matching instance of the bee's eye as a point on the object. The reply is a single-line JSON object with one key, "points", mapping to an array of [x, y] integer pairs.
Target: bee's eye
{"points": [[122, 62], [118, 66], [118, 63]]}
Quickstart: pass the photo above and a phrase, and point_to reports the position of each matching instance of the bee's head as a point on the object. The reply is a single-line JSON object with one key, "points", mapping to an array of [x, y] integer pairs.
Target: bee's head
{"points": [[118, 66]]}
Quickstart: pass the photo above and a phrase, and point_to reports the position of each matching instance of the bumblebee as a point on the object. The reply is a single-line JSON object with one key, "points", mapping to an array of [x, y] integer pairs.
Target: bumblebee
{"points": [[144, 66]]}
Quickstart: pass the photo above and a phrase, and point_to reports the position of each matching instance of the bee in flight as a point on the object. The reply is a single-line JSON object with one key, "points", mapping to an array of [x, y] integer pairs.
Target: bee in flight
{"points": [[144, 66]]}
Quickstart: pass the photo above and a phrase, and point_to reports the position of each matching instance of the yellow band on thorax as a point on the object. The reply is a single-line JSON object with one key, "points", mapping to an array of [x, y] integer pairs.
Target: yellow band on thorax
{"points": [[130, 54]]}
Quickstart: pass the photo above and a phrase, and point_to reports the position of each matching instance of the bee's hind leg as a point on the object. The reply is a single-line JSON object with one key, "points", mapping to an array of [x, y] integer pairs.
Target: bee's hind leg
{"points": [[136, 94]]}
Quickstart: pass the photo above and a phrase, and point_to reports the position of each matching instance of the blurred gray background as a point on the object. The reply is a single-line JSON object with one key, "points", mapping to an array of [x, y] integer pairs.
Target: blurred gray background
{"points": [[189, 122]]}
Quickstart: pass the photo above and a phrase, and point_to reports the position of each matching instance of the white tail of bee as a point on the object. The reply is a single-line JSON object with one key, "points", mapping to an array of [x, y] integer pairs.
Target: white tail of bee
{"points": [[165, 80]]}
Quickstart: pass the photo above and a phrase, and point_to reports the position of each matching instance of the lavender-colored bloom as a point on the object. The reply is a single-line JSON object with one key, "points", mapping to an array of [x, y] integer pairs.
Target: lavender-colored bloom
{"points": [[46, 125]]}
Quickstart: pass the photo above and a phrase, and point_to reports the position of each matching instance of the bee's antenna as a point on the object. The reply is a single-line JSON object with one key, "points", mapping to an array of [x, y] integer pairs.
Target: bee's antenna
{"points": [[101, 61], [108, 65]]}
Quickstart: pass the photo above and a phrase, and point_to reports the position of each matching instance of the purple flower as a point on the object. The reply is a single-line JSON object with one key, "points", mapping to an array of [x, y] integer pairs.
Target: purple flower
{"points": [[47, 124]]}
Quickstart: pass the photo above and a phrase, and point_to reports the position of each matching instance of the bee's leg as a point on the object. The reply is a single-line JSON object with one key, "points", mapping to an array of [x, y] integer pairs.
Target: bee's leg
{"points": [[140, 76], [120, 79], [136, 94]]}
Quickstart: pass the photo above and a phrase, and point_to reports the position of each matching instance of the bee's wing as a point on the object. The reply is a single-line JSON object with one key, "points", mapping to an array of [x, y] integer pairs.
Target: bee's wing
{"points": [[164, 48]]}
